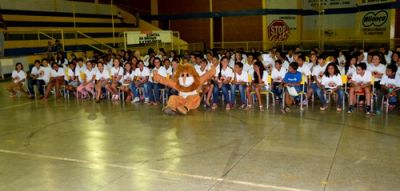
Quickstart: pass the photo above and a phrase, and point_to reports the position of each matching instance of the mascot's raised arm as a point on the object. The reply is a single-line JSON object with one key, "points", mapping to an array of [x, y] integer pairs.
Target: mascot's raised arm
{"points": [[186, 81]]}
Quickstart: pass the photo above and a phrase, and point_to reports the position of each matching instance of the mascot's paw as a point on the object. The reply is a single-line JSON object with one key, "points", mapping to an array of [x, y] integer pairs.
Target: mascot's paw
{"points": [[182, 110], [169, 111]]}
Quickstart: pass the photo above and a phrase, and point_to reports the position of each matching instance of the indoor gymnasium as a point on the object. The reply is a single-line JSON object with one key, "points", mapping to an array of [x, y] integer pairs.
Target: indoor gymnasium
{"points": [[202, 95]]}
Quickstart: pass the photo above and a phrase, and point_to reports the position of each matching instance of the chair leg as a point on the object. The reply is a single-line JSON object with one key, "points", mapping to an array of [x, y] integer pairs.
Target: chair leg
{"points": [[301, 102], [283, 98]]}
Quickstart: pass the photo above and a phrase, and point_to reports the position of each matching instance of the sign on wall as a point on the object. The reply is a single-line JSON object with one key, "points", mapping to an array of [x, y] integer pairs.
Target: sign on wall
{"points": [[148, 37], [327, 4], [278, 31], [375, 23], [282, 27]]}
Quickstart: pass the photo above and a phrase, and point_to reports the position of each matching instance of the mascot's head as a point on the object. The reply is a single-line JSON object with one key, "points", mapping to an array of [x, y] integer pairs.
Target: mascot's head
{"points": [[187, 78]]}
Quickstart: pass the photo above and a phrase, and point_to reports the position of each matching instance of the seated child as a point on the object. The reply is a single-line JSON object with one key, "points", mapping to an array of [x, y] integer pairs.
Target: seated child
{"points": [[361, 81], [277, 75], [259, 83], [34, 79], [316, 86], [207, 87], [292, 80], [56, 80], [102, 80], [71, 82], [390, 86], [18, 79], [222, 79], [116, 75], [332, 82], [88, 80], [239, 81], [141, 78], [126, 81]]}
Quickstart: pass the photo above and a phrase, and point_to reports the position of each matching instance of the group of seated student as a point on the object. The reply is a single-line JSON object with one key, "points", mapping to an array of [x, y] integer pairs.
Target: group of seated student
{"points": [[314, 74]]}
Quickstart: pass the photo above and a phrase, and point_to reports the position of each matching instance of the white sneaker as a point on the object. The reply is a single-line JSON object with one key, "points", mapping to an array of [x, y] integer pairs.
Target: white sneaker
{"points": [[135, 100], [146, 100]]}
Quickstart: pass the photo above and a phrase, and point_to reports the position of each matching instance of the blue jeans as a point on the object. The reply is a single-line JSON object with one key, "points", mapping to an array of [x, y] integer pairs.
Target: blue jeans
{"points": [[319, 92], [242, 91], [135, 89], [277, 89], [225, 91], [340, 94], [154, 91]]}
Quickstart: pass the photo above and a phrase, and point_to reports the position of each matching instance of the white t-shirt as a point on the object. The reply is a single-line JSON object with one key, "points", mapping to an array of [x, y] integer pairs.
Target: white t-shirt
{"points": [[265, 78], [328, 81], [247, 67], [285, 65], [201, 72], [117, 71], [309, 64], [390, 82], [243, 77], [90, 73], [161, 71], [351, 71], [20, 76], [318, 70], [44, 74], [197, 66], [275, 74], [79, 70], [290, 58], [379, 69], [127, 77], [366, 78], [102, 75], [305, 70], [58, 73], [231, 63], [228, 72], [142, 73], [35, 70], [109, 65], [69, 74], [169, 70]]}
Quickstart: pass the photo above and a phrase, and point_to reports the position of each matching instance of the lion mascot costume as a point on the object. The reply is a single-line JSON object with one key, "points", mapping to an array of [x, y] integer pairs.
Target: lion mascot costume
{"points": [[186, 81]]}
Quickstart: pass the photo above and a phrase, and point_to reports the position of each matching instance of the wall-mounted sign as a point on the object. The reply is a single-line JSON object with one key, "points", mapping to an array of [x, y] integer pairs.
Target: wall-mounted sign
{"points": [[278, 31], [375, 19], [148, 37], [375, 23]]}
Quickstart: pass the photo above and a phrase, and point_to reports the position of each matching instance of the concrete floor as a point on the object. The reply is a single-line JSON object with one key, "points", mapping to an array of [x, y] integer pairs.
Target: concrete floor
{"points": [[62, 145]]}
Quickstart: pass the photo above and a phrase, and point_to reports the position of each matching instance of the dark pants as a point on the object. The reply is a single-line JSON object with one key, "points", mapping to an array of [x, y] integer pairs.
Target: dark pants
{"points": [[38, 83], [379, 94], [154, 91], [277, 89], [225, 91]]}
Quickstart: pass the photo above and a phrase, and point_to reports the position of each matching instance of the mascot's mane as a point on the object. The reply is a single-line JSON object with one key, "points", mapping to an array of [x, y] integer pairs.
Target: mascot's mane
{"points": [[189, 69]]}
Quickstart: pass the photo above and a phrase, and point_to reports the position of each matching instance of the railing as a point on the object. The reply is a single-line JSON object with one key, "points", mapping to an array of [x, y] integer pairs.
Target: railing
{"points": [[28, 38], [52, 38], [103, 45]]}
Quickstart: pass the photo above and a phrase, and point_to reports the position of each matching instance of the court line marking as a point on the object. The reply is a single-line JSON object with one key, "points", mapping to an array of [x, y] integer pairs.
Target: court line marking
{"points": [[18, 105], [238, 182]]}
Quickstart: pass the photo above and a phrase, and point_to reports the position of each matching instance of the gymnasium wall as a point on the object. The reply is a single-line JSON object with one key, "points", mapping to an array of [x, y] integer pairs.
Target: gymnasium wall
{"points": [[195, 30], [334, 21]]}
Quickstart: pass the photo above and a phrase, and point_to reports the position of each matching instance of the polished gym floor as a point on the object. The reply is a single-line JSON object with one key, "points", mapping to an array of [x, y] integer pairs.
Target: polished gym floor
{"points": [[70, 145]]}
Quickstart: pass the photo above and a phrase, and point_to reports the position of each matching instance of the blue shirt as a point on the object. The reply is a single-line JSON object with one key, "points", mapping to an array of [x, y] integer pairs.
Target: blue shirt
{"points": [[292, 77]]}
